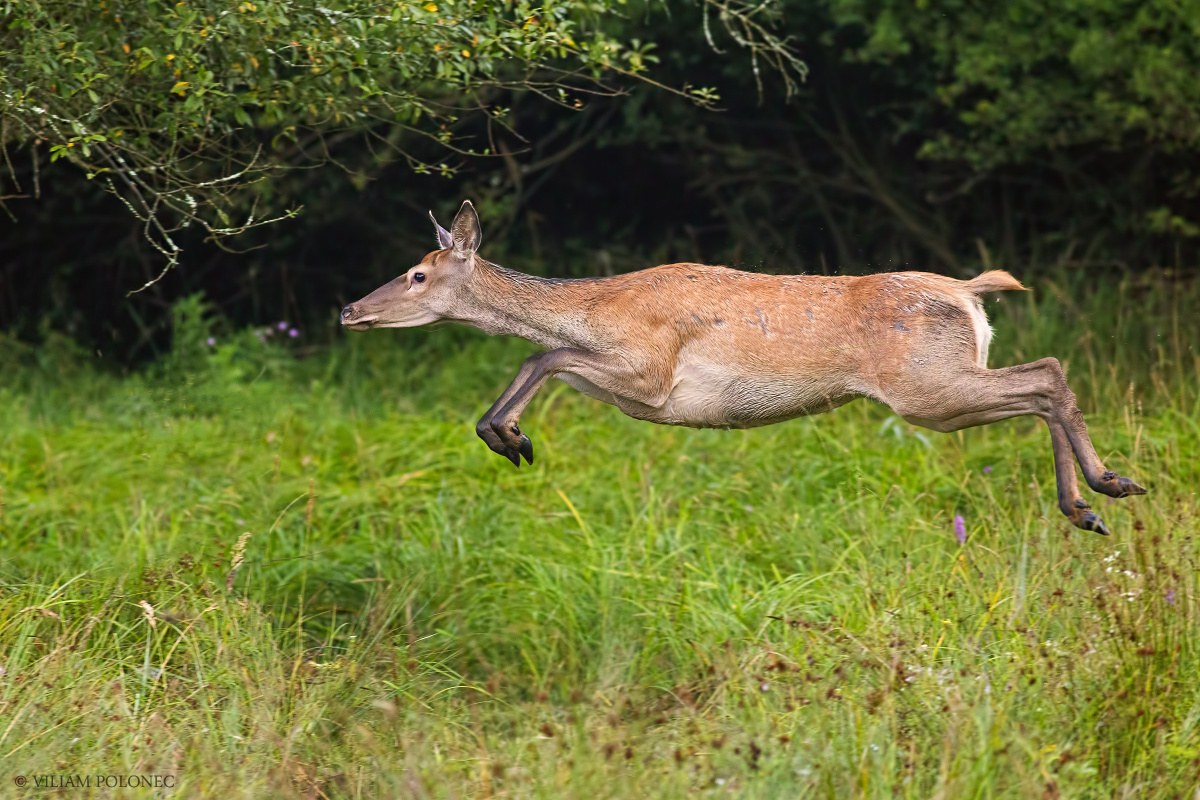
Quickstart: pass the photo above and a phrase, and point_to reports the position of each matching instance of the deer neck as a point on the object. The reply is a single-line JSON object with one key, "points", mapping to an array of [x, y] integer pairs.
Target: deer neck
{"points": [[545, 311]]}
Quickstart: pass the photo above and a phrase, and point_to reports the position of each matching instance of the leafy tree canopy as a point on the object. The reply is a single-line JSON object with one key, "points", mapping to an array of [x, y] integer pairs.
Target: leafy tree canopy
{"points": [[184, 108], [1023, 80]]}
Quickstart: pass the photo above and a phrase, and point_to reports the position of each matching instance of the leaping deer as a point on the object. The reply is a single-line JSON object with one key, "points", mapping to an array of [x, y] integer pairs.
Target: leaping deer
{"points": [[712, 347]]}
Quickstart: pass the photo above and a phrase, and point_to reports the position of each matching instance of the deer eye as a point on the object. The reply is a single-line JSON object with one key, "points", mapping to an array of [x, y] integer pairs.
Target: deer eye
{"points": [[418, 277]]}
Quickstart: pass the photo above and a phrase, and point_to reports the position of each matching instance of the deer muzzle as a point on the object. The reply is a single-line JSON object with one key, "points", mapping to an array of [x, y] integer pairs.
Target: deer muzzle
{"points": [[354, 319]]}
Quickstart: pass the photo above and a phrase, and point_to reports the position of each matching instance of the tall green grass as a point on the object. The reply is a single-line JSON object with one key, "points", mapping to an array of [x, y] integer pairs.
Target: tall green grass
{"points": [[647, 612]]}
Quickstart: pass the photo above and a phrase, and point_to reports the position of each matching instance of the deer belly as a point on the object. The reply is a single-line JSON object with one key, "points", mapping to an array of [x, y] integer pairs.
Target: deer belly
{"points": [[588, 388], [629, 407], [714, 396]]}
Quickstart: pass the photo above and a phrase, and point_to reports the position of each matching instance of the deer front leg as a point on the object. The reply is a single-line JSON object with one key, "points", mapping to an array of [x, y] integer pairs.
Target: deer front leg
{"points": [[484, 429], [500, 427]]}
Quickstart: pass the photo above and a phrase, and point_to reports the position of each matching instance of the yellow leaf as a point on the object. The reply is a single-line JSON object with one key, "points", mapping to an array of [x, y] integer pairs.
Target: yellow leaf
{"points": [[125, 48], [430, 7]]}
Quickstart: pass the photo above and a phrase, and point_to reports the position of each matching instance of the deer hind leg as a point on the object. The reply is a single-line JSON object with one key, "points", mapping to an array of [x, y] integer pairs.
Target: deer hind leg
{"points": [[977, 396], [1098, 477], [1074, 507]]}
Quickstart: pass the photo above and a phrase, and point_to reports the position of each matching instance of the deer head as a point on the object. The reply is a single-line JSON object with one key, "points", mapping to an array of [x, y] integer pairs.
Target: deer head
{"points": [[428, 291]]}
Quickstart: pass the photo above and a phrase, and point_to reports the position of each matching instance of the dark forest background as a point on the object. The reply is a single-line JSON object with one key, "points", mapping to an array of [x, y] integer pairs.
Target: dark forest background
{"points": [[944, 136]]}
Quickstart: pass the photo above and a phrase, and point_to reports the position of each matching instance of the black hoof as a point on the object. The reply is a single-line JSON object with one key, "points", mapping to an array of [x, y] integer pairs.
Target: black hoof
{"points": [[1081, 516], [497, 445], [1114, 485], [512, 444], [1129, 488], [1091, 522]]}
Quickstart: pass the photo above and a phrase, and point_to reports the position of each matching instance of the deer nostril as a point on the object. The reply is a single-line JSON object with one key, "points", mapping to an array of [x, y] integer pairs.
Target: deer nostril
{"points": [[348, 312]]}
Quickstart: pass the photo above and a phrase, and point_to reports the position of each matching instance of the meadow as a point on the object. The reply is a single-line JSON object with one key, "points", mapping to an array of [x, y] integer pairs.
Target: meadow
{"points": [[289, 569]]}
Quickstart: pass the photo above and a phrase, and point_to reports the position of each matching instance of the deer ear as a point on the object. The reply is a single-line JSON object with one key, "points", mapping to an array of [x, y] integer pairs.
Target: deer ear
{"points": [[464, 231], [443, 236]]}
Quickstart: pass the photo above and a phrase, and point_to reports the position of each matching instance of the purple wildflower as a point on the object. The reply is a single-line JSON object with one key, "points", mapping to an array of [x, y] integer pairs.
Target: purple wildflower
{"points": [[987, 469], [211, 341], [1171, 596], [294, 332], [960, 529], [282, 325]]}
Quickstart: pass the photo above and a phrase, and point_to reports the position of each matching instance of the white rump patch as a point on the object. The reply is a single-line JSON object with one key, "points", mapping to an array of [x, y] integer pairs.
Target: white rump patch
{"points": [[983, 331]]}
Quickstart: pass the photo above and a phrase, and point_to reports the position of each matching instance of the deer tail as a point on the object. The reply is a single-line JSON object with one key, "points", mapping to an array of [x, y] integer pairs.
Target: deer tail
{"points": [[994, 280]]}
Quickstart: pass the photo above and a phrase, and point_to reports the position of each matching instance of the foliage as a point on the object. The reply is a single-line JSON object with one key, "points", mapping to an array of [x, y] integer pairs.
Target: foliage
{"points": [[207, 357], [1023, 82], [180, 108], [330, 587], [1023, 79]]}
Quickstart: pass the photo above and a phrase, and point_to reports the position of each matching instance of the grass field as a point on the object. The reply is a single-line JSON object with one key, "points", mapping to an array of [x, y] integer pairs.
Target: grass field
{"points": [[646, 612]]}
